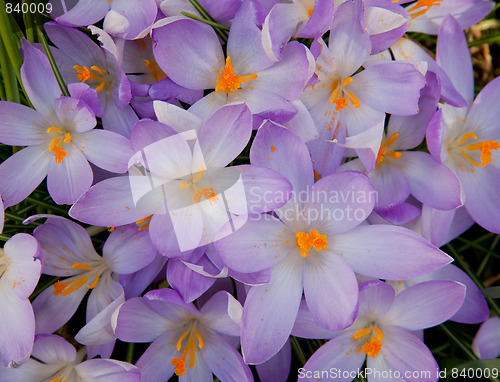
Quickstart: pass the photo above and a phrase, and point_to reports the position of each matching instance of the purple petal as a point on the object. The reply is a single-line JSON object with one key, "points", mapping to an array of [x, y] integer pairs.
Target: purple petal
{"points": [[127, 250], [140, 16], [431, 182], [225, 134], [176, 117], [349, 41], [22, 173], [272, 147], [453, 56], [38, 79], [259, 244], [52, 349], [404, 352], [388, 252], [392, 87], [67, 181], [425, 304], [188, 52], [270, 311], [82, 14], [483, 114], [75, 113], [375, 299], [223, 359], [120, 121], [223, 314], [486, 344], [337, 354], [277, 368], [24, 267], [28, 124], [188, 283], [155, 363], [17, 330], [331, 291], [108, 370], [107, 150], [333, 199], [391, 185], [108, 203]]}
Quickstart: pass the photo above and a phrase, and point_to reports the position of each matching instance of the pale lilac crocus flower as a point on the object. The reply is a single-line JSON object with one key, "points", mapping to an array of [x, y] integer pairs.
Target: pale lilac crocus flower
{"points": [[68, 252], [20, 268], [467, 139], [56, 360], [60, 139], [186, 341], [382, 333], [314, 245], [350, 101]]}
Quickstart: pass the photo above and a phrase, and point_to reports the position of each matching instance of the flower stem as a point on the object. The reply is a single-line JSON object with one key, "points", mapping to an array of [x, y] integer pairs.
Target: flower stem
{"points": [[211, 23]]}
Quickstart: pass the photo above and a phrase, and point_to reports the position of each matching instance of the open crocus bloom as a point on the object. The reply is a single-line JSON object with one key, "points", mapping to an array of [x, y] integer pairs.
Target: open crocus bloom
{"points": [[186, 341], [381, 334]]}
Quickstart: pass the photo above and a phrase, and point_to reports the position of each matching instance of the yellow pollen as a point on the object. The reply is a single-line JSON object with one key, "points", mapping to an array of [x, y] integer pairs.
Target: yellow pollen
{"points": [[340, 96], [199, 192], [58, 379], [372, 347], [206, 192], [384, 149], [55, 144], [65, 288], [228, 82], [156, 72], [189, 351], [416, 11], [484, 148], [314, 240], [97, 74], [82, 266]]}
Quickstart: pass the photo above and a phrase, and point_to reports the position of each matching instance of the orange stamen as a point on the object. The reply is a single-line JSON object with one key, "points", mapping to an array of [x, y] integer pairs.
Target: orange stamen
{"points": [[384, 149], [484, 147], [189, 351], [425, 4], [97, 74], [156, 72], [228, 82], [314, 240]]}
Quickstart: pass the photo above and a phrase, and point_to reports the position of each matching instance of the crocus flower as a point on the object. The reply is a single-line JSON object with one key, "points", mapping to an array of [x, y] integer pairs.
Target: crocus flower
{"points": [[397, 171], [60, 136], [20, 269], [382, 334], [467, 139], [55, 359], [486, 343], [80, 60], [189, 53], [314, 246], [128, 19], [68, 252], [222, 11], [351, 101], [184, 179], [186, 341]]}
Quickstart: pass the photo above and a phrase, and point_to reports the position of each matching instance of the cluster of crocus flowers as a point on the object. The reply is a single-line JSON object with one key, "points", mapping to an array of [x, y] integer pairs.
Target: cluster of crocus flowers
{"points": [[258, 176]]}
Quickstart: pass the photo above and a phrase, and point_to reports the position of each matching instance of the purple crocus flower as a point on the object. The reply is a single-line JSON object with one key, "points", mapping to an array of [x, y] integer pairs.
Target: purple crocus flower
{"points": [[55, 359], [486, 343], [68, 252], [314, 245], [80, 60], [222, 11], [20, 269], [396, 171], [60, 136], [467, 139], [128, 19], [346, 100], [184, 179], [186, 341], [382, 334], [189, 53]]}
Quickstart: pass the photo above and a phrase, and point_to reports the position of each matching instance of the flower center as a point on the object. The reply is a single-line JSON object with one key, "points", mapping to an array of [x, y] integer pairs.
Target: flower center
{"points": [[340, 95], [55, 145], [95, 74], [384, 149], [421, 7], [477, 153], [314, 240], [199, 192], [228, 82], [372, 346], [189, 351], [155, 70], [65, 288]]}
